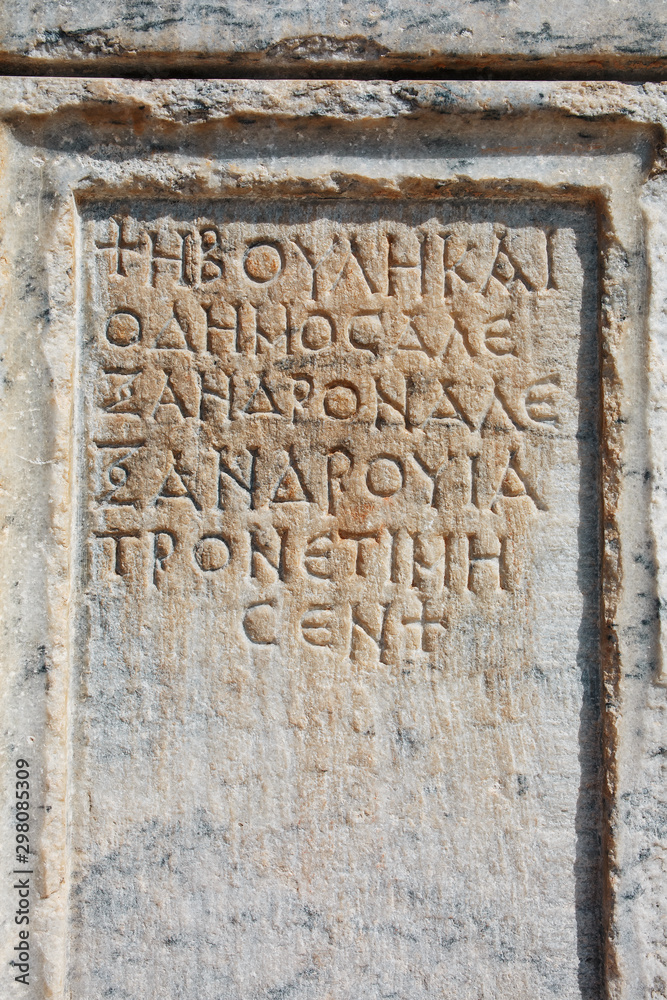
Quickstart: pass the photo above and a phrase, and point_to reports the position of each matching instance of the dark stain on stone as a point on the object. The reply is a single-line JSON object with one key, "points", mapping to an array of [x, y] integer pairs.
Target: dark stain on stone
{"points": [[408, 741]]}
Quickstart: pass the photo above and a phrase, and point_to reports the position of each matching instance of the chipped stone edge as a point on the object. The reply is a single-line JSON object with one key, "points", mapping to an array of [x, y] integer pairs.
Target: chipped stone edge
{"points": [[183, 102]]}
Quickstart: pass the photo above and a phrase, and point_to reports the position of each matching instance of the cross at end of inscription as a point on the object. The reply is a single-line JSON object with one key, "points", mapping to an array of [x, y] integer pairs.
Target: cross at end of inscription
{"points": [[360, 412]]}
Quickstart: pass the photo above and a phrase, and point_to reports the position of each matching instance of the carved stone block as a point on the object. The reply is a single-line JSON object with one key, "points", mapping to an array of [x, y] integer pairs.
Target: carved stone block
{"points": [[530, 38], [333, 537]]}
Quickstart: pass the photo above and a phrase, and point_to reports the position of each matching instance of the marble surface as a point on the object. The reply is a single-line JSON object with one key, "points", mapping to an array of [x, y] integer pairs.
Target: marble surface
{"points": [[611, 38], [333, 517]]}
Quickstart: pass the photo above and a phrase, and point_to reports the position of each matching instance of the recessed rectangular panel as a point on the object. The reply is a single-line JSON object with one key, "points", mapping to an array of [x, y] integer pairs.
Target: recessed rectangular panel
{"points": [[337, 719]]}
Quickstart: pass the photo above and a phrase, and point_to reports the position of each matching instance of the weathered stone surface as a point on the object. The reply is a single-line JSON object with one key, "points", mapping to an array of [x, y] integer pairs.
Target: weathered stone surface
{"points": [[603, 37], [327, 446], [333, 536]]}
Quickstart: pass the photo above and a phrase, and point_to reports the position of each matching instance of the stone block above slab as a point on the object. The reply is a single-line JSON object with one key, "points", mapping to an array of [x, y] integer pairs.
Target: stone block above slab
{"points": [[528, 38]]}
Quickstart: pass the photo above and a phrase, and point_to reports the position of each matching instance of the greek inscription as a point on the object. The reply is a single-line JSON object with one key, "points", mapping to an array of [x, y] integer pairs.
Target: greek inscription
{"points": [[352, 421]]}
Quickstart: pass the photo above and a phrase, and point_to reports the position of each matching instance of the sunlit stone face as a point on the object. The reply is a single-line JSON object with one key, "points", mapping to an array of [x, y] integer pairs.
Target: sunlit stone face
{"points": [[339, 715]]}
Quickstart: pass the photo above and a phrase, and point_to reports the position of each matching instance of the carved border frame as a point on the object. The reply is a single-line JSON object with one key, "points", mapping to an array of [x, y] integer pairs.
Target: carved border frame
{"points": [[630, 325]]}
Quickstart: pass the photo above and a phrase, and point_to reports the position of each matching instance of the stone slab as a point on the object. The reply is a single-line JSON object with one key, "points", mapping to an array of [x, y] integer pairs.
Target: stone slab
{"points": [[334, 537], [608, 38]]}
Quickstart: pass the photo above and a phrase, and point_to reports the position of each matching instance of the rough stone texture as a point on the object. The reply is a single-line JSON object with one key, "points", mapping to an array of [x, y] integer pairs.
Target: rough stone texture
{"points": [[333, 432], [333, 543], [370, 37]]}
